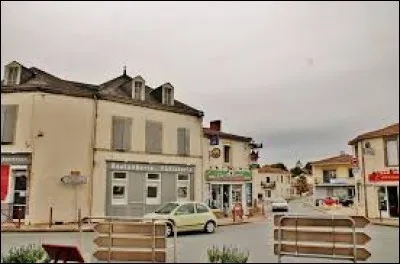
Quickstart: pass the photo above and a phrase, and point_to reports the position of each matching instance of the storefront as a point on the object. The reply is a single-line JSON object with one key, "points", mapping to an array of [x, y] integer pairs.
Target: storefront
{"points": [[228, 187], [14, 185], [134, 189], [387, 185]]}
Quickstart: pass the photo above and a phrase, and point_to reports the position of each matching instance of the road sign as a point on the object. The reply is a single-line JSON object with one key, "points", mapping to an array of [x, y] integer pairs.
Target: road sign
{"points": [[354, 162]]}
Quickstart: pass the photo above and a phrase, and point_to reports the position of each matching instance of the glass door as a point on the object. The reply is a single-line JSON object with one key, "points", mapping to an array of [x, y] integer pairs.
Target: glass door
{"points": [[19, 193]]}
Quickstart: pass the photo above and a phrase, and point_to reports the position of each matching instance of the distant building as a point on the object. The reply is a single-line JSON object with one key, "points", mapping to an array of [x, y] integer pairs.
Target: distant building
{"points": [[271, 183], [333, 177], [377, 153]]}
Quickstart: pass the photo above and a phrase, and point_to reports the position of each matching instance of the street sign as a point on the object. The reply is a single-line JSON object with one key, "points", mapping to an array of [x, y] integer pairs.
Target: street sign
{"points": [[354, 162], [319, 237]]}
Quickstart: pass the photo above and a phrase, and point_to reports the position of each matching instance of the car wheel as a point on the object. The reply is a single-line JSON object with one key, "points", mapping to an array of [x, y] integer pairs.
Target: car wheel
{"points": [[168, 230], [209, 227]]}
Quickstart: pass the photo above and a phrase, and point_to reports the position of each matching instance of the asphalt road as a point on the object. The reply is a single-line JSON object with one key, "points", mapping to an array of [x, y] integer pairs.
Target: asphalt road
{"points": [[256, 238]]}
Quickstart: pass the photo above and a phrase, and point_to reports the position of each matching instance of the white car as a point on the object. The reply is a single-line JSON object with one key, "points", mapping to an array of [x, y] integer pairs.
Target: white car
{"points": [[279, 204]]}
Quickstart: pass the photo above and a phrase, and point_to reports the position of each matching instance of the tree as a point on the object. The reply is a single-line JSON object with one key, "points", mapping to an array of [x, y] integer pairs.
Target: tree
{"points": [[308, 167], [302, 185], [279, 165], [296, 171]]}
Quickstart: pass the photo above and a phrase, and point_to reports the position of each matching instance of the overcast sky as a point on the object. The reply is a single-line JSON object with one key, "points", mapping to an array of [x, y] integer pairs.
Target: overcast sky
{"points": [[301, 77]]}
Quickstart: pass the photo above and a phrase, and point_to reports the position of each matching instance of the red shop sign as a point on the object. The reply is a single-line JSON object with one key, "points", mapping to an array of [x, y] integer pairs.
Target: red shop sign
{"points": [[5, 174], [380, 176]]}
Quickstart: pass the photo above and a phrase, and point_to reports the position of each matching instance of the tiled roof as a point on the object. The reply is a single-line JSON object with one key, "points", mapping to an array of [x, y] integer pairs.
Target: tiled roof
{"points": [[386, 131], [269, 169], [341, 159], [116, 90], [208, 132]]}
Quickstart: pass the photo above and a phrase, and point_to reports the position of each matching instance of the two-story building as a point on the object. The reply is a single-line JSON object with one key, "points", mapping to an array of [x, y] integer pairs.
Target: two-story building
{"points": [[271, 183], [333, 177], [377, 153], [133, 147], [228, 177]]}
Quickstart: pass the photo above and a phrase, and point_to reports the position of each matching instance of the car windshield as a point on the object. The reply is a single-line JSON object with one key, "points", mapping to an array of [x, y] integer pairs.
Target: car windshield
{"points": [[167, 208], [279, 200]]}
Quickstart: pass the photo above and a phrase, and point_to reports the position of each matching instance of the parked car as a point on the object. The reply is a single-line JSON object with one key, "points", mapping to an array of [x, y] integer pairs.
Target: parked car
{"points": [[185, 216], [279, 204], [346, 201], [329, 201]]}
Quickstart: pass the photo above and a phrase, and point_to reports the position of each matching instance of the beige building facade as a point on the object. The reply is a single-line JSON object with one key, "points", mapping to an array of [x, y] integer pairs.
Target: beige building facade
{"points": [[377, 153], [272, 183], [333, 177], [134, 147]]}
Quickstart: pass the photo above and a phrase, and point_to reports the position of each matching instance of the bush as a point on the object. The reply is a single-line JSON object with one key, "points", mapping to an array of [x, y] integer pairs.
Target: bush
{"points": [[227, 255], [26, 254]]}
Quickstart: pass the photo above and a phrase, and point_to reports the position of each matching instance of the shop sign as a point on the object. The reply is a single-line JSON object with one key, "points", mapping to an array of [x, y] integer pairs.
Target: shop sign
{"points": [[143, 167], [383, 176], [15, 159], [215, 153], [74, 178], [216, 174]]}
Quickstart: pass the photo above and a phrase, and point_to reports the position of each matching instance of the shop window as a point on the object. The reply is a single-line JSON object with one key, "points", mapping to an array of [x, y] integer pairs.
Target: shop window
{"points": [[391, 152], [183, 186], [119, 188], [153, 194], [200, 209]]}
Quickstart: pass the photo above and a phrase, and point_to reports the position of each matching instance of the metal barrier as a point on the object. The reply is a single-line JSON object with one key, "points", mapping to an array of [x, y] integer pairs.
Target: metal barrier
{"points": [[317, 229], [138, 226]]}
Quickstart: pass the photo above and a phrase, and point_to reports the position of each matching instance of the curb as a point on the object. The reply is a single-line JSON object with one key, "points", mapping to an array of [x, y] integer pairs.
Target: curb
{"points": [[384, 224], [43, 230]]}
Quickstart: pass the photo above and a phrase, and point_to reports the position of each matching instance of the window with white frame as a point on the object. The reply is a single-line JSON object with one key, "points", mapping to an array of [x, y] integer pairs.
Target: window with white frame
{"points": [[183, 187], [268, 193], [153, 188], [391, 152], [119, 186], [12, 77]]}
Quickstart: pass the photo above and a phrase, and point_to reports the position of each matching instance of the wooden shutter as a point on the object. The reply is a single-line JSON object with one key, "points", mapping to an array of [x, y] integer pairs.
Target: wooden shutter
{"points": [[181, 141], [127, 134], [153, 137], [9, 122], [117, 133], [3, 117], [158, 140], [187, 141]]}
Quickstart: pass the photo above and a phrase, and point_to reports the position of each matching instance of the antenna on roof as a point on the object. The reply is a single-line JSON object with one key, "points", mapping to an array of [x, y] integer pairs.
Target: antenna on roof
{"points": [[124, 70]]}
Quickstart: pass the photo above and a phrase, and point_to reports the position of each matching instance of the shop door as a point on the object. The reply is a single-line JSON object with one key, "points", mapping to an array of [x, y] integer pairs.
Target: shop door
{"points": [[393, 200], [382, 202], [19, 194]]}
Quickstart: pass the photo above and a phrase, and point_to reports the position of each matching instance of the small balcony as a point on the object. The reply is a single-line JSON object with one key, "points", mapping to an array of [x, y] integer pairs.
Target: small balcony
{"points": [[268, 185]]}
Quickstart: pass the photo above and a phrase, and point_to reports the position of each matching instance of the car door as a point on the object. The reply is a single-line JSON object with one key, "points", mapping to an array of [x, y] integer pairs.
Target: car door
{"points": [[203, 215], [185, 217]]}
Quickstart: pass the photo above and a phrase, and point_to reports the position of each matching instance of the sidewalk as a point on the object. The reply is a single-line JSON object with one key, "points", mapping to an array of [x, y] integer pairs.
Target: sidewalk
{"points": [[385, 222], [229, 221]]}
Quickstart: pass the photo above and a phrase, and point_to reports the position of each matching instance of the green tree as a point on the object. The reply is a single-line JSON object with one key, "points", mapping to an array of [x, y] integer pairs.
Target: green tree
{"points": [[302, 185], [296, 171]]}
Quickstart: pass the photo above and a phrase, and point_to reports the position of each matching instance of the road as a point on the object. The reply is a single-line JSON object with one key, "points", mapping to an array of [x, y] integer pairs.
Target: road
{"points": [[255, 237]]}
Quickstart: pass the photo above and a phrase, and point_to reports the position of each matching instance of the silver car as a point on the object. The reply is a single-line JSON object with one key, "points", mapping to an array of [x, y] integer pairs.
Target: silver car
{"points": [[279, 204]]}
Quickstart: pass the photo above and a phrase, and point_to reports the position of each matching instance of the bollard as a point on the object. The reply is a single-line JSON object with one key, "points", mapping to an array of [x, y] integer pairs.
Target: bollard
{"points": [[19, 218], [51, 217], [234, 214]]}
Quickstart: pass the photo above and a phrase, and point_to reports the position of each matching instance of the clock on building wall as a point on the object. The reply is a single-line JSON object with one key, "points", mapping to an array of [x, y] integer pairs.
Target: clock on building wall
{"points": [[215, 153]]}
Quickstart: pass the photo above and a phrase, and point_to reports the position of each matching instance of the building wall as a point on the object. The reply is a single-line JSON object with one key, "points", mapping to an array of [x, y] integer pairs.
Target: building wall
{"points": [[375, 162], [65, 124], [342, 172], [171, 121], [281, 189]]}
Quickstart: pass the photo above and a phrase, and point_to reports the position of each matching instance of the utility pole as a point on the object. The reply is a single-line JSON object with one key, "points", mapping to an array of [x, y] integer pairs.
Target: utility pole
{"points": [[364, 181]]}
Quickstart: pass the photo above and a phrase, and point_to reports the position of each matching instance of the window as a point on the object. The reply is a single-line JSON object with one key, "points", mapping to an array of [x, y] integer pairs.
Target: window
{"points": [[281, 178], [8, 123], [351, 175], [153, 192], [201, 209], [119, 188], [183, 141], [227, 150], [391, 152], [167, 96], [121, 133], [154, 137], [186, 209], [268, 193], [138, 90], [12, 77], [328, 175], [183, 186], [267, 179]]}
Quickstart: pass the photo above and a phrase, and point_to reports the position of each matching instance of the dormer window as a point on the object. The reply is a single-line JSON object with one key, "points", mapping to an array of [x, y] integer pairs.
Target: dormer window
{"points": [[12, 75], [138, 88], [168, 95]]}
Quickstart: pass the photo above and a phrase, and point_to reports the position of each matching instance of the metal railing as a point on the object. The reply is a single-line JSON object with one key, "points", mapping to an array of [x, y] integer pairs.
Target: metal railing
{"points": [[110, 219]]}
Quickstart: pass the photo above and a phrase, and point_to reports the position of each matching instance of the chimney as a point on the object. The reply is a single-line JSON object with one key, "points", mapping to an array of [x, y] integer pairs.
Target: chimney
{"points": [[215, 125]]}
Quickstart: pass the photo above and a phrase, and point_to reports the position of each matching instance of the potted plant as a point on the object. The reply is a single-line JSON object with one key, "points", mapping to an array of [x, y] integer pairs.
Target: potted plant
{"points": [[227, 255]]}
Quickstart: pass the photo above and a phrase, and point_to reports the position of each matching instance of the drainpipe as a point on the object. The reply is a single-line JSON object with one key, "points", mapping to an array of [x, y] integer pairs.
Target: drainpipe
{"points": [[93, 147], [364, 181]]}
